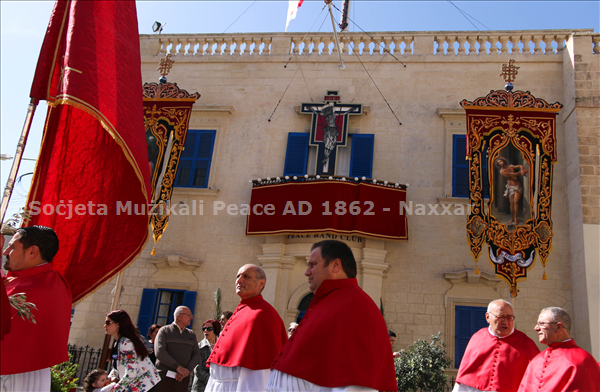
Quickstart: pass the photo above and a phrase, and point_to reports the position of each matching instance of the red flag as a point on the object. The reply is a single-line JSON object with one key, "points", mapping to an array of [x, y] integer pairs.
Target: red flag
{"points": [[92, 173]]}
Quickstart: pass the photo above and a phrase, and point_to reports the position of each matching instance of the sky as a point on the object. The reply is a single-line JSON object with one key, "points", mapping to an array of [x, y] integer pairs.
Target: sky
{"points": [[23, 24]]}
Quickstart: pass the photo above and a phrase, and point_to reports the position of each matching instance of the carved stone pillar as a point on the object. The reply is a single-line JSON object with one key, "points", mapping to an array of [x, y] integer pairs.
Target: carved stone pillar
{"points": [[373, 268], [277, 267]]}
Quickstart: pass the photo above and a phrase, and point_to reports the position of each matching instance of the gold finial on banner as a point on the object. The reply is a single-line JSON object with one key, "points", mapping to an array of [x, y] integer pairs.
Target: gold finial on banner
{"points": [[164, 67], [509, 71]]}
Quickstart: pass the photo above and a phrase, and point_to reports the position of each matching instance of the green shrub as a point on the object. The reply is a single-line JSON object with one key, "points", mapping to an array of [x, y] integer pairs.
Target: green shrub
{"points": [[62, 376], [422, 366]]}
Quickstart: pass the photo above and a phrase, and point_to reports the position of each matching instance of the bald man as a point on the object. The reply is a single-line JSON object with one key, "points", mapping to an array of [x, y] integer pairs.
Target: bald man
{"points": [[250, 341], [496, 357], [177, 351], [563, 366]]}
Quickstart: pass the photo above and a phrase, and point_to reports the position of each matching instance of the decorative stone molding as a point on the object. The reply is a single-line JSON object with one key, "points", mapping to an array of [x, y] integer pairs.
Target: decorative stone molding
{"points": [[213, 109], [469, 276], [175, 261]]}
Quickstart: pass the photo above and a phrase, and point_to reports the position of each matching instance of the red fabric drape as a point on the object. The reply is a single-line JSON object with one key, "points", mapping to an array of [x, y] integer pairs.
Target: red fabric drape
{"points": [[93, 157]]}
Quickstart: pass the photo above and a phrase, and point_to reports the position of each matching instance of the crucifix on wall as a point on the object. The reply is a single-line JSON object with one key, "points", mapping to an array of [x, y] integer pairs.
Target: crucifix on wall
{"points": [[329, 129]]}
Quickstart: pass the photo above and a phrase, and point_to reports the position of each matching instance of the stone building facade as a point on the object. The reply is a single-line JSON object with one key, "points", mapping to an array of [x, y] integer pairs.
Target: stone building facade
{"points": [[420, 282]]}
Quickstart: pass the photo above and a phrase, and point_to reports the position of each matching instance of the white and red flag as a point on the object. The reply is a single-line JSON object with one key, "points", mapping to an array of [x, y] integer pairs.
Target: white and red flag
{"points": [[93, 161], [292, 11]]}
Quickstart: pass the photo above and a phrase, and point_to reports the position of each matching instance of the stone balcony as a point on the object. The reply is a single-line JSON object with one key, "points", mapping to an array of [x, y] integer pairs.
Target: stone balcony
{"points": [[366, 45]]}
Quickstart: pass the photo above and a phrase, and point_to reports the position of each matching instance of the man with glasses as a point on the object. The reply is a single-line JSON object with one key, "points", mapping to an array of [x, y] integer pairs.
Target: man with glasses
{"points": [[177, 352], [563, 366], [250, 341], [496, 357]]}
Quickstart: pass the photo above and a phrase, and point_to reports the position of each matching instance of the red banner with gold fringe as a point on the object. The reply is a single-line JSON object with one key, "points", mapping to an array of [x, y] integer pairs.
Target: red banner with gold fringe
{"points": [[93, 158]]}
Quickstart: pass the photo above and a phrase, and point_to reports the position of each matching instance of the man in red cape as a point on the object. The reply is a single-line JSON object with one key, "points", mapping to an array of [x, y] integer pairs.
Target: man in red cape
{"points": [[253, 336], [342, 341], [496, 357], [563, 366], [29, 350]]}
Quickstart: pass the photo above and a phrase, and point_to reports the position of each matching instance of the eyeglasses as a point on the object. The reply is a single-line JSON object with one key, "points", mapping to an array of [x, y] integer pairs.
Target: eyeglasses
{"points": [[502, 318], [209, 329], [108, 322], [541, 324], [291, 329]]}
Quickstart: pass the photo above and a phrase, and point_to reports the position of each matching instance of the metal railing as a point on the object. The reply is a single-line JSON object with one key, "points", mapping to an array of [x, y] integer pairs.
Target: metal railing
{"points": [[86, 357]]}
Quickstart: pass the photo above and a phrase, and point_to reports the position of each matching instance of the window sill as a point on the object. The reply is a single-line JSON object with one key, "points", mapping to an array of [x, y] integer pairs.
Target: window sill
{"points": [[177, 191]]}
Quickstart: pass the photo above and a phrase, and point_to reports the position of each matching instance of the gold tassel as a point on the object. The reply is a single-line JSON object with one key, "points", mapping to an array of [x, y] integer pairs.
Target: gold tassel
{"points": [[544, 277], [153, 253], [476, 270]]}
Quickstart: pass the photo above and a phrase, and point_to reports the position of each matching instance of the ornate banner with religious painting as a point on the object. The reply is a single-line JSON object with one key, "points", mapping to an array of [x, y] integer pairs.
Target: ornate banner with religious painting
{"points": [[167, 110], [515, 134]]}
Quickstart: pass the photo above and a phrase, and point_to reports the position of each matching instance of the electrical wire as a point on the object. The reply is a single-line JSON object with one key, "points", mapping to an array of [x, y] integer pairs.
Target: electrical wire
{"points": [[239, 17], [467, 16]]}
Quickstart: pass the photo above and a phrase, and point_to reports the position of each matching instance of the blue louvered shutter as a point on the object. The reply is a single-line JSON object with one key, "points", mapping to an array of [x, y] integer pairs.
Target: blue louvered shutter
{"points": [[361, 158], [189, 300], [460, 166], [296, 154], [468, 320], [146, 310]]}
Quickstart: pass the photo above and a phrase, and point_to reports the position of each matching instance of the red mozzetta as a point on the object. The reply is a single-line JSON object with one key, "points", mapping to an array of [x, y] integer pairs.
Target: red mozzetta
{"points": [[562, 367], [29, 347], [251, 338], [341, 341], [496, 364]]}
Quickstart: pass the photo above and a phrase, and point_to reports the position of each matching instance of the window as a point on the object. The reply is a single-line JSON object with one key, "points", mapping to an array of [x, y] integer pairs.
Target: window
{"points": [[303, 306], [195, 160], [460, 168], [356, 160], [468, 320], [158, 305]]}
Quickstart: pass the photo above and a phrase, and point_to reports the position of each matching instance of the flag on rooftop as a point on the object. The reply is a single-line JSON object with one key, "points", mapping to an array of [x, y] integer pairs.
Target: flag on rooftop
{"points": [[93, 161], [292, 11]]}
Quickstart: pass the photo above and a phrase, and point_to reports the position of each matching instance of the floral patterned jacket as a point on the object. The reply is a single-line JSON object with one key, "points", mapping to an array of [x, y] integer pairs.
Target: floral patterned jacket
{"points": [[135, 375]]}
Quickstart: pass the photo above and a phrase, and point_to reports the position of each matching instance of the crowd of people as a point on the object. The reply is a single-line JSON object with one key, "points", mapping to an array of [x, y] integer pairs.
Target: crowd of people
{"points": [[251, 350]]}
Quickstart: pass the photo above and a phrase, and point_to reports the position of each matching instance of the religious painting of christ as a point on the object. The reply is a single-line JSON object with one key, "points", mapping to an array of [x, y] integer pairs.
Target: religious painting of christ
{"points": [[511, 179]]}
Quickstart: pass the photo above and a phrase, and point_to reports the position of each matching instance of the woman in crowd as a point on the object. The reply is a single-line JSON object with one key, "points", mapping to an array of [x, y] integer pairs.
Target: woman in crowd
{"points": [[152, 332], [132, 369], [210, 329]]}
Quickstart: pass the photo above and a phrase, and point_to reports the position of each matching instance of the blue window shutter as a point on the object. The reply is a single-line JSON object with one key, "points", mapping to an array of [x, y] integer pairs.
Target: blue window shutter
{"points": [[468, 320], [460, 166], [189, 300], [146, 310], [195, 161], [361, 158], [296, 154]]}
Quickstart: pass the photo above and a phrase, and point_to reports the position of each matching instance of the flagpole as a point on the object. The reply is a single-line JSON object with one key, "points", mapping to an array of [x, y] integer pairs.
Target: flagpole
{"points": [[114, 306], [337, 41], [10, 183]]}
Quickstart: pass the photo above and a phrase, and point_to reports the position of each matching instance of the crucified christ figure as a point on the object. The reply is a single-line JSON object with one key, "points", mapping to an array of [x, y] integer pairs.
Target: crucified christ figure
{"points": [[330, 130], [514, 188]]}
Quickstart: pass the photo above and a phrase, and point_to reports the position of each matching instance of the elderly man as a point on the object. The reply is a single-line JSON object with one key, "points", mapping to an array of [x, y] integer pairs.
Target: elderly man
{"points": [[496, 357], [251, 339], [29, 350], [342, 341], [177, 353], [563, 366]]}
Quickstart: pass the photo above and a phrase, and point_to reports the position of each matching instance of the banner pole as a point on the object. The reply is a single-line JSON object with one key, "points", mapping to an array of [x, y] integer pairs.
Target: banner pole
{"points": [[115, 304], [10, 183]]}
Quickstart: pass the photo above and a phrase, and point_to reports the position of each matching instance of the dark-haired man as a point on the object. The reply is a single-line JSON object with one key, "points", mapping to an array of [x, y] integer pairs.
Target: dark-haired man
{"points": [[29, 350], [342, 340], [563, 366], [251, 339]]}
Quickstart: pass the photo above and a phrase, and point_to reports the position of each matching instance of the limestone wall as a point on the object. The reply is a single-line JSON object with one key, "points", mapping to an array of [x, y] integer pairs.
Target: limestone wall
{"points": [[423, 278]]}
